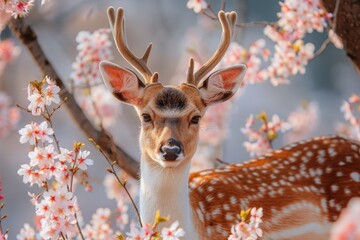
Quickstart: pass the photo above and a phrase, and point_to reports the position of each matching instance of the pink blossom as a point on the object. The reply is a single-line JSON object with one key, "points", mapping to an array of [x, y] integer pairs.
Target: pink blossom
{"points": [[122, 218], [100, 227], [26, 233], [351, 111], [1, 196], [348, 224], [173, 232], [115, 191], [17, 8], [303, 121], [248, 230], [83, 161], [57, 209], [9, 116], [197, 5], [34, 133]]}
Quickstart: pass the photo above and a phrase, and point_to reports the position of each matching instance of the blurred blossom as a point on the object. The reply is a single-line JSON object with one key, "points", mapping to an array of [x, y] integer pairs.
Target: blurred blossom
{"points": [[8, 50], [100, 226], [17, 8], [91, 94], [252, 57], [260, 139], [99, 105], [248, 229], [351, 111], [26, 233], [348, 224], [196, 5], [4, 18], [1, 196], [115, 191], [9, 116], [303, 121], [213, 126], [302, 17], [92, 49]]}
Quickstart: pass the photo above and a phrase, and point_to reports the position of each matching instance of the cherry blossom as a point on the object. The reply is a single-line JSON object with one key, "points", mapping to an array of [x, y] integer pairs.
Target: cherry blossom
{"points": [[26, 233], [17, 8], [196, 5], [100, 227], [57, 209], [260, 139], [248, 229], [91, 94], [9, 116], [41, 97], [8, 50], [351, 111], [303, 121], [348, 224], [115, 191], [173, 232], [34, 133]]}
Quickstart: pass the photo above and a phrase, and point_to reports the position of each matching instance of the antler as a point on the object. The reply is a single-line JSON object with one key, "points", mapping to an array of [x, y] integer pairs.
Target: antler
{"points": [[227, 21], [118, 30]]}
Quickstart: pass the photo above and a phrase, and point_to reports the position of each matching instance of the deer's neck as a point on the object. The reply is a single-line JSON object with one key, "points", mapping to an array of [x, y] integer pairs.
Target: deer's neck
{"points": [[166, 190]]}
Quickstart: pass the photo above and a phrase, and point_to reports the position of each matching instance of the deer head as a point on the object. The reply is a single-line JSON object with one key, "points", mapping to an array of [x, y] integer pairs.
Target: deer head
{"points": [[170, 115]]}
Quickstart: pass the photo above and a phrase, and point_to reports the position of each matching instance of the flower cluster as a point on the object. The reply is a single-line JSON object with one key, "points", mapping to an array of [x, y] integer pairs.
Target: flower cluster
{"points": [[351, 111], [348, 224], [9, 116], [57, 211], [17, 8], [248, 228], [8, 52], [260, 140], [197, 5], [90, 93], [41, 96], [26, 233], [148, 233], [100, 227], [52, 168], [253, 57], [303, 121], [114, 190]]}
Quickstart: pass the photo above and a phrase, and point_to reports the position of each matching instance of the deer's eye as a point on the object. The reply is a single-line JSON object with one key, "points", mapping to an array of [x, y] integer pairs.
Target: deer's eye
{"points": [[195, 119], [146, 117]]}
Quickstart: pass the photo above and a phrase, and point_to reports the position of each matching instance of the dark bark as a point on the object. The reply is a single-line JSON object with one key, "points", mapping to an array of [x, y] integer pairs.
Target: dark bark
{"points": [[28, 37], [348, 27]]}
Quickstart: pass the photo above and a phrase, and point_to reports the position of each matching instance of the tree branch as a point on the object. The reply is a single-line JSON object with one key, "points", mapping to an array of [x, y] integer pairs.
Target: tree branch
{"points": [[28, 37], [347, 27]]}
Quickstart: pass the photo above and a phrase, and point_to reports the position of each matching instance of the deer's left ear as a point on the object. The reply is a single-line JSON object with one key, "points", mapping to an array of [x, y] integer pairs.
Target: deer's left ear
{"points": [[222, 84]]}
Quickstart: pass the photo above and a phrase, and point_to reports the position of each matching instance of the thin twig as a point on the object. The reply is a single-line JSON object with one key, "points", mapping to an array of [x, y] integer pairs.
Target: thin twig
{"points": [[49, 120], [113, 171], [22, 108], [58, 107], [239, 25], [327, 41], [221, 161]]}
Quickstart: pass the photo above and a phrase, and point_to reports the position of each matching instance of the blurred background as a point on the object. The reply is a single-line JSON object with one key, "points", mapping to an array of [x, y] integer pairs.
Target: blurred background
{"points": [[172, 28]]}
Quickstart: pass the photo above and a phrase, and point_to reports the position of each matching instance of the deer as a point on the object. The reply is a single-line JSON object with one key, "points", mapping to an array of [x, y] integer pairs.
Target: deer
{"points": [[302, 187]]}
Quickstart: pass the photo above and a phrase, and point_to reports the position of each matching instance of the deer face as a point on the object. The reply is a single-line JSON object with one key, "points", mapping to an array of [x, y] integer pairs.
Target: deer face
{"points": [[170, 115]]}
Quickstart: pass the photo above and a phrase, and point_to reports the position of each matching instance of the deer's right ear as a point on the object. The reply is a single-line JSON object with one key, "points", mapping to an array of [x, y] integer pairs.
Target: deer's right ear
{"points": [[123, 83]]}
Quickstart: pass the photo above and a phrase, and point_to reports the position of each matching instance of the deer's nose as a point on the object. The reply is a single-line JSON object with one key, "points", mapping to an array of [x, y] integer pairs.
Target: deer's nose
{"points": [[171, 149]]}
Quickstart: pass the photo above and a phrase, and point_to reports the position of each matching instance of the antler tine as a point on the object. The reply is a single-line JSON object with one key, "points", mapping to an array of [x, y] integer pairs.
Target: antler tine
{"points": [[227, 21], [118, 30], [190, 72]]}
